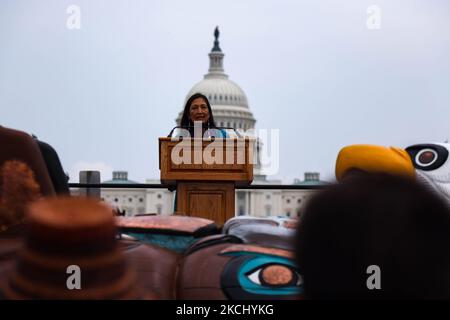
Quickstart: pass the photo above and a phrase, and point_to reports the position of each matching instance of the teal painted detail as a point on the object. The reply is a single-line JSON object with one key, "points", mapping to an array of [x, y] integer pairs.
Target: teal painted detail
{"points": [[177, 243], [258, 262]]}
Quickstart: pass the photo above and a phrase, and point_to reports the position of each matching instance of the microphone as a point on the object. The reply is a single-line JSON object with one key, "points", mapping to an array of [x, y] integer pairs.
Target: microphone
{"points": [[208, 127], [177, 127]]}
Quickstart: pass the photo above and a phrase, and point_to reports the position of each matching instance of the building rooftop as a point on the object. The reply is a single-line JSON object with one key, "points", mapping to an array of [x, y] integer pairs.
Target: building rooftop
{"points": [[311, 179], [120, 177]]}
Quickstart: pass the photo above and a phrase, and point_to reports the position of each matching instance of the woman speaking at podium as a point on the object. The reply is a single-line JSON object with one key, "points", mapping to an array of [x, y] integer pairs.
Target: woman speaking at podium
{"points": [[198, 111]]}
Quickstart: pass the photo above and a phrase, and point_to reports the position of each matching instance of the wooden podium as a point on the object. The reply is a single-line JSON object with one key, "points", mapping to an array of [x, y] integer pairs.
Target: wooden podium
{"points": [[205, 173]]}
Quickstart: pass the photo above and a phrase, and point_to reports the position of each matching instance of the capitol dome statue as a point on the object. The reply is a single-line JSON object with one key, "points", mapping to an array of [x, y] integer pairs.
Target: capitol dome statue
{"points": [[228, 101]]}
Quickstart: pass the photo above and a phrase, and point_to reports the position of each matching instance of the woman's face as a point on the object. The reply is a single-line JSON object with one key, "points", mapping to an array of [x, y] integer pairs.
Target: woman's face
{"points": [[198, 111]]}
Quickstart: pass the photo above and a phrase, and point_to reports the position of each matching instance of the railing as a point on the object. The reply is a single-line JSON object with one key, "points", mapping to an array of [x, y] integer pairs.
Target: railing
{"points": [[94, 189], [166, 186]]}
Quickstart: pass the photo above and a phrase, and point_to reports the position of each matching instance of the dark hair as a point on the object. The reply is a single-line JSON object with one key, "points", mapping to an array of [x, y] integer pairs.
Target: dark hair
{"points": [[186, 120], [376, 219]]}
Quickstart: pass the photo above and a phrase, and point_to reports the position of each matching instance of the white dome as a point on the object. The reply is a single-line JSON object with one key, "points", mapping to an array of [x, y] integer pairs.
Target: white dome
{"points": [[228, 101], [220, 91]]}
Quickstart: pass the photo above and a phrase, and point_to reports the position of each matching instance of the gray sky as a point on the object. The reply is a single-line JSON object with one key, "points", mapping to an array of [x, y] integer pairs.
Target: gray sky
{"points": [[102, 95]]}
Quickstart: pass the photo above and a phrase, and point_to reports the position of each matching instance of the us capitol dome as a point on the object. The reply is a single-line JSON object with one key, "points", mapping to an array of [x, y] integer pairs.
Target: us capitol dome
{"points": [[228, 101]]}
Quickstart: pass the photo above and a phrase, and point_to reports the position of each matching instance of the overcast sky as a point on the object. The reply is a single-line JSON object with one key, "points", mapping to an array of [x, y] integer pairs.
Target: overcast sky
{"points": [[103, 94]]}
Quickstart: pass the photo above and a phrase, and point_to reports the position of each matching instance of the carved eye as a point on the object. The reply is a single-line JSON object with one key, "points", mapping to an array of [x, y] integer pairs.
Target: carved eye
{"points": [[259, 276], [426, 157], [275, 275]]}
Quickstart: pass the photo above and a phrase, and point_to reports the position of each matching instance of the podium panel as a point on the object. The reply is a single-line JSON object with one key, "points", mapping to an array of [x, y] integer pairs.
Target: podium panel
{"points": [[214, 201], [206, 160]]}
